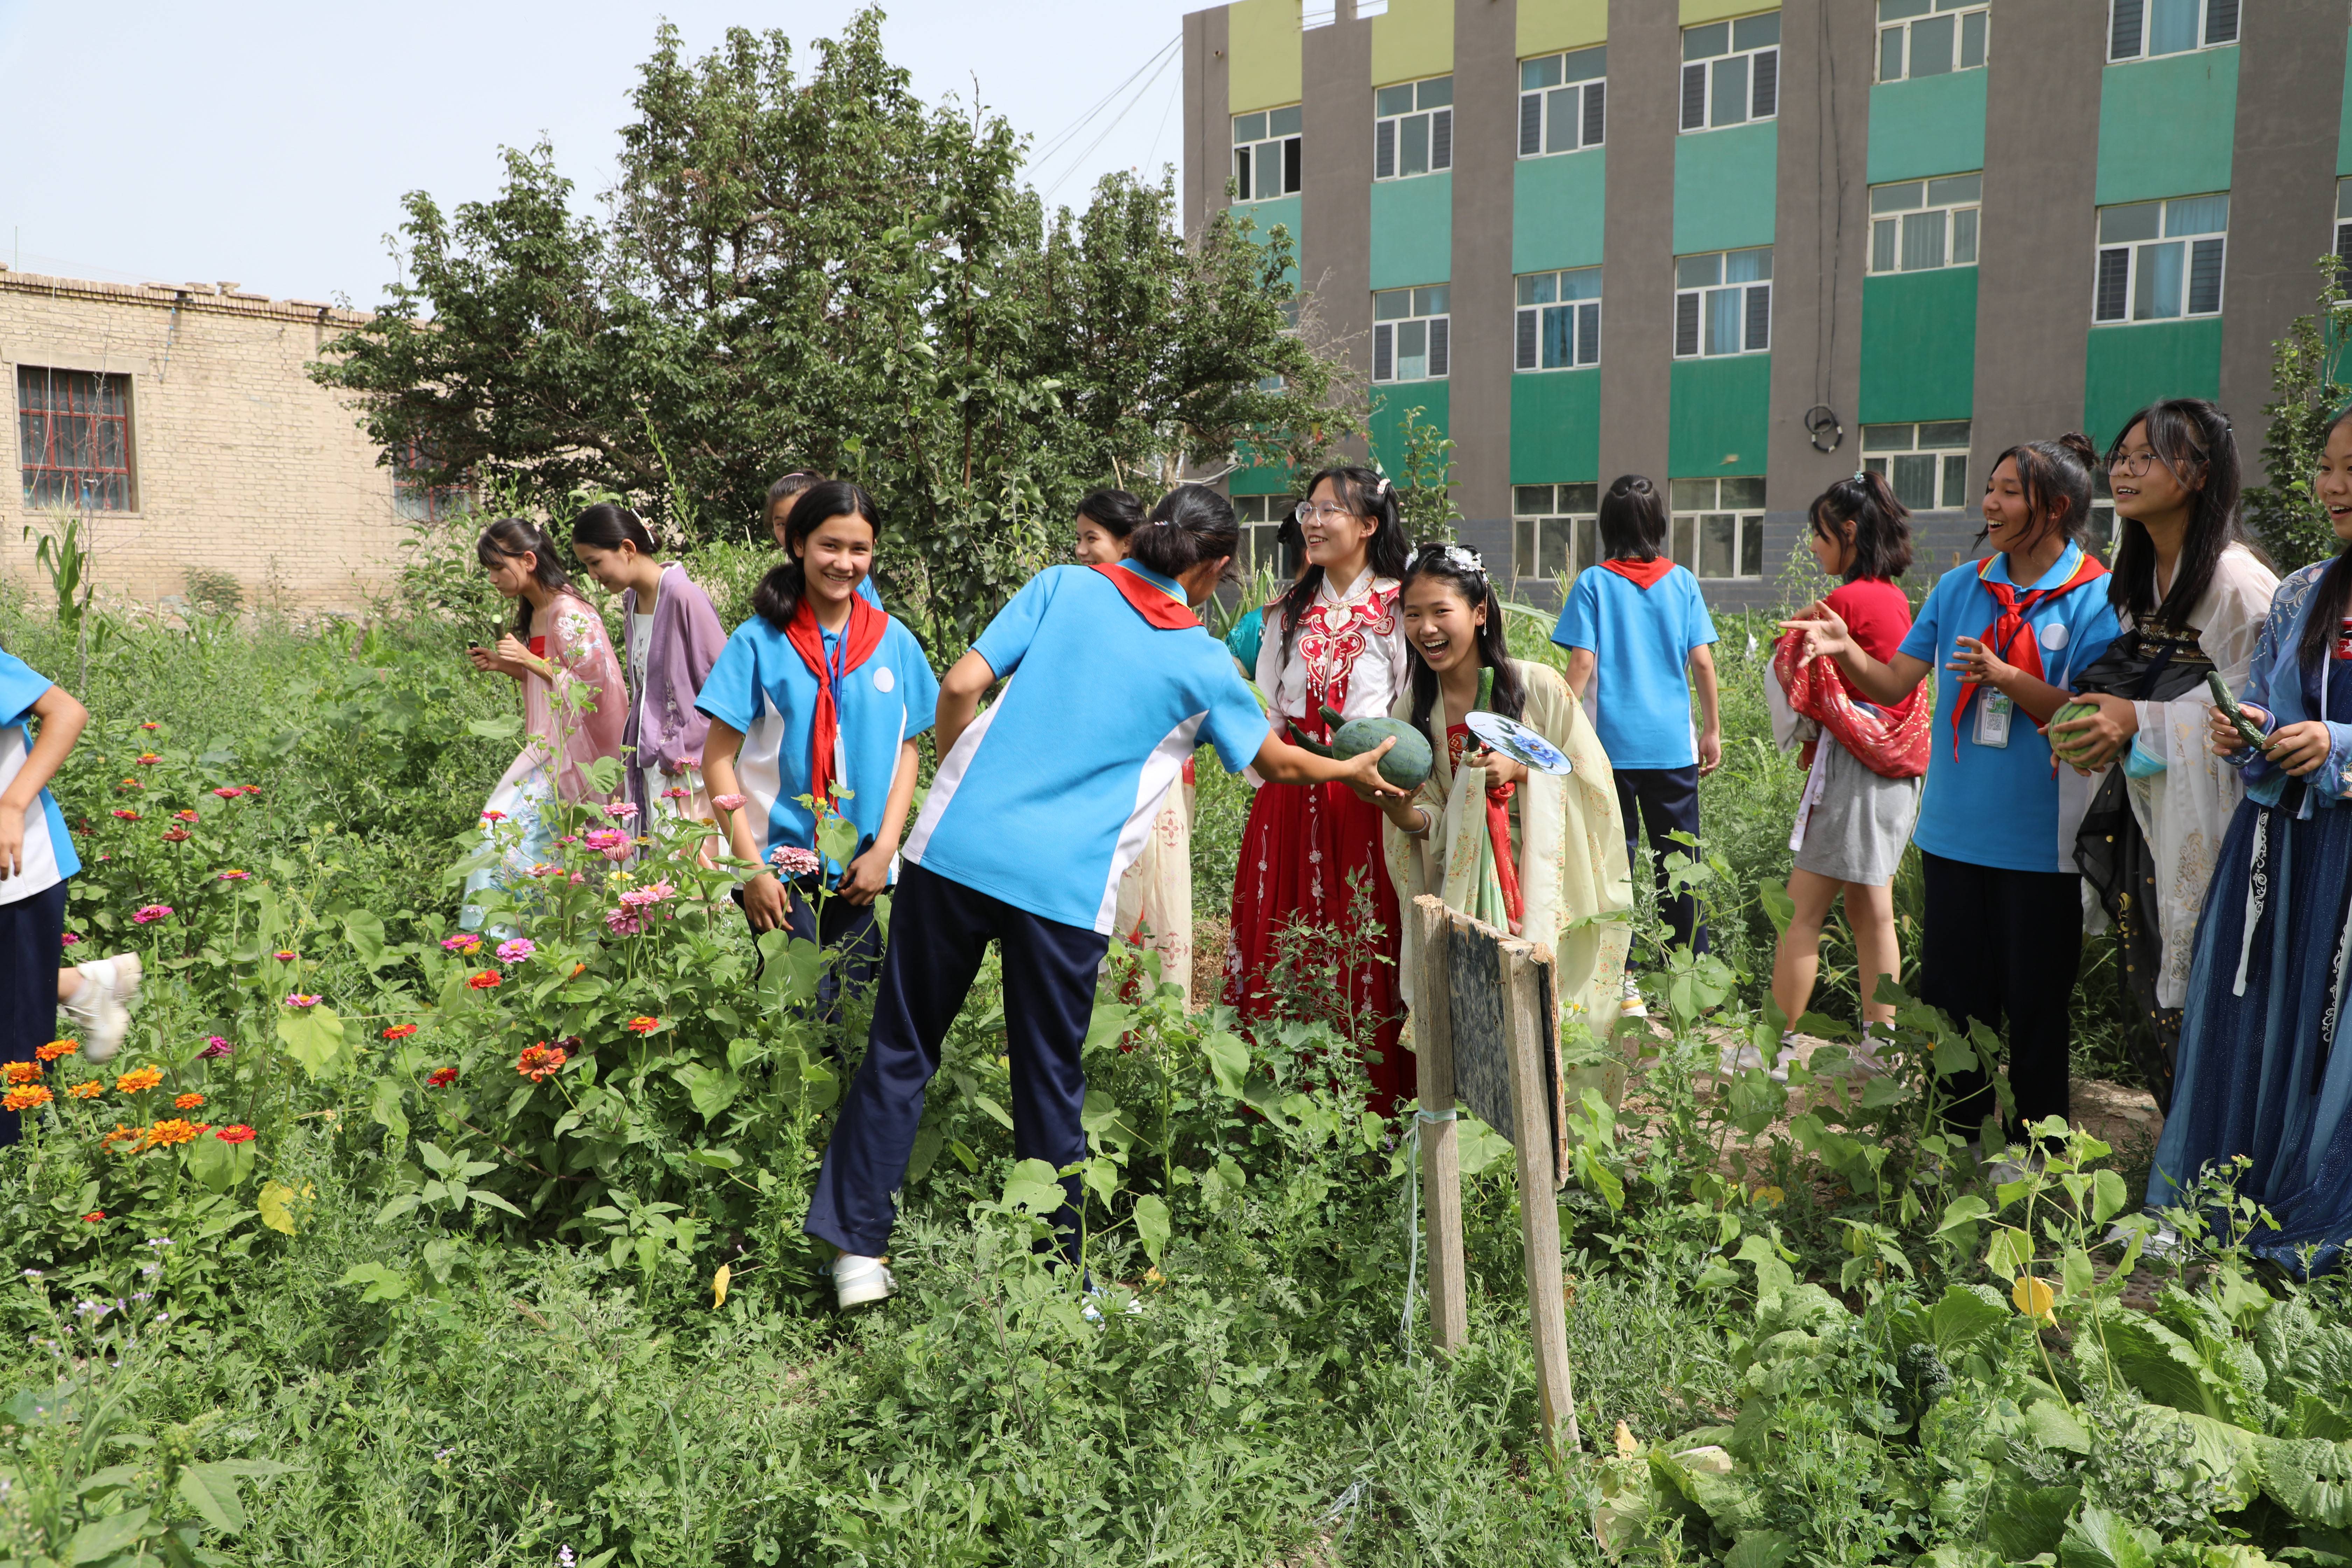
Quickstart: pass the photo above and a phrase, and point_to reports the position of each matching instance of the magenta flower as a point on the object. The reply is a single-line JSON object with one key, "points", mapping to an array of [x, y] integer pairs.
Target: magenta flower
{"points": [[728, 802], [299, 1000], [624, 921], [494, 816], [148, 914], [215, 1046], [235, 876], [466, 943], [610, 842], [645, 897], [794, 861], [71, 940], [516, 951]]}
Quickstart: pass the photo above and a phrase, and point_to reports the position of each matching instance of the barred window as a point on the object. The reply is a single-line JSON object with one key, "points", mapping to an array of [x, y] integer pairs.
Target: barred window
{"points": [[1718, 526], [73, 437], [1558, 319], [415, 499], [1563, 101], [1731, 72]]}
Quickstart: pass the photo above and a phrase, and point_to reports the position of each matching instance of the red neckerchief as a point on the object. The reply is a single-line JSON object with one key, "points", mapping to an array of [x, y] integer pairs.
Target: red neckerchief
{"points": [[1642, 574], [1151, 600], [2008, 626], [860, 639]]}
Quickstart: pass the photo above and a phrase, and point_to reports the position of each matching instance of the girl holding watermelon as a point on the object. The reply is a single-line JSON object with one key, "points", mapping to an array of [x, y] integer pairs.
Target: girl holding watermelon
{"points": [[1311, 851], [1539, 853]]}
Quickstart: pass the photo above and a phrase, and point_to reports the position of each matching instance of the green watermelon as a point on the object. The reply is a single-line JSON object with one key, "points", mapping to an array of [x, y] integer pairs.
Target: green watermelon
{"points": [[1408, 762], [2082, 743]]}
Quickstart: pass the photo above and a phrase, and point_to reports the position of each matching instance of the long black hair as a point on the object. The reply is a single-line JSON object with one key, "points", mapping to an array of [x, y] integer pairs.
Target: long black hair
{"points": [[608, 527], [2051, 472], [1117, 512], [2192, 437], [2331, 597], [1190, 525], [1882, 525], [1365, 494], [1633, 520], [1467, 574], [511, 539], [778, 598]]}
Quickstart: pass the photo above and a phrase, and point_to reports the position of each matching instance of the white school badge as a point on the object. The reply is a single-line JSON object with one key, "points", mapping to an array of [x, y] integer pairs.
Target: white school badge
{"points": [[1519, 743], [2054, 635], [884, 681]]}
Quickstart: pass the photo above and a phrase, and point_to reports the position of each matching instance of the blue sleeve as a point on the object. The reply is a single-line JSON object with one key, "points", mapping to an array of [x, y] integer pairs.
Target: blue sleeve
{"points": [[867, 591], [730, 692], [2089, 631], [21, 686], [920, 686], [1698, 627], [1925, 640], [1577, 618], [1247, 635], [1235, 724], [1006, 641]]}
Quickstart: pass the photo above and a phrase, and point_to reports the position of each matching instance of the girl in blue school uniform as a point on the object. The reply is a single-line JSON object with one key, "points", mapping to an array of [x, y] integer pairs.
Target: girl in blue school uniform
{"points": [[1038, 807], [820, 695], [2002, 936]]}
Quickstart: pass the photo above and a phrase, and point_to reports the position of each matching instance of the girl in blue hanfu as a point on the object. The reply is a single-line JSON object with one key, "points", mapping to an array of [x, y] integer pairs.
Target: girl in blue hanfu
{"points": [[1039, 805], [2265, 1071]]}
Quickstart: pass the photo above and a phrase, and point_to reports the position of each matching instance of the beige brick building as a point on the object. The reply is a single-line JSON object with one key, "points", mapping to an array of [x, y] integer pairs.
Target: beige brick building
{"points": [[180, 421]]}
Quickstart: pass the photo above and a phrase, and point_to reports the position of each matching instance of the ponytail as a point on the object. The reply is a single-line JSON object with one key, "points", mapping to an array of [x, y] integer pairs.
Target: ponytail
{"points": [[1882, 525], [1190, 524]]}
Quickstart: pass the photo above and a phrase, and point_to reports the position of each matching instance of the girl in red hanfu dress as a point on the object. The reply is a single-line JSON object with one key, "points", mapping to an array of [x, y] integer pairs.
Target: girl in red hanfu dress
{"points": [[1335, 639]]}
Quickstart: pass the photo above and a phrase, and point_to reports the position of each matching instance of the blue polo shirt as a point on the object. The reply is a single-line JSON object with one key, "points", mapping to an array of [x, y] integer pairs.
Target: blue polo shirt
{"points": [[48, 855], [1046, 799], [1640, 640], [1999, 806], [762, 687]]}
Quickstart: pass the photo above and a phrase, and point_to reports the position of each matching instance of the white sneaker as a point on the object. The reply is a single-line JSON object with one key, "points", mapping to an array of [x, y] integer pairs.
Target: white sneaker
{"points": [[1778, 1071], [97, 1009], [1635, 1007], [857, 1280], [1865, 1055], [1734, 1059]]}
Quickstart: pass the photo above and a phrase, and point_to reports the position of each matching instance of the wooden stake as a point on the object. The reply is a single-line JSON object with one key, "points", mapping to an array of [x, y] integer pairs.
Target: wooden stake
{"points": [[1441, 1165], [1532, 1139]]}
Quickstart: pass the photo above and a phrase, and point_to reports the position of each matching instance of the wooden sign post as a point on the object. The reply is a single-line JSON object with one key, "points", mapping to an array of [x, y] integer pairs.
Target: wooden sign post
{"points": [[1486, 1023]]}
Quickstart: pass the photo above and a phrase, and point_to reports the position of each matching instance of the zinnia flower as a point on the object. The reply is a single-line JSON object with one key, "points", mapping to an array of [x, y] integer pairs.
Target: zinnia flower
{"points": [[235, 1132], [131, 784], [727, 802], [214, 1046], [57, 1048], [622, 809], [248, 789], [148, 914], [467, 943], [185, 816], [642, 1026], [623, 921], [610, 842], [88, 1088], [794, 861], [236, 876], [69, 939], [516, 949], [488, 980], [228, 791], [539, 1061], [494, 816], [150, 726], [169, 1131], [23, 1072], [27, 1097], [400, 1031], [285, 955], [148, 759], [187, 1102], [126, 814], [675, 793], [440, 1077], [176, 836], [93, 1216], [138, 1080], [301, 999]]}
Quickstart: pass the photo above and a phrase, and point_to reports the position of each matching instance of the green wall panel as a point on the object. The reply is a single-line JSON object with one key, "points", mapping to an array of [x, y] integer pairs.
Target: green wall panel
{"points": [[1257, 481], [1555, 426], [1413, 230], [1721, 409], [2129, 367], [1918, 345], [1929, 125], [2165, 126], [1556, 207], [1391, 400], [2344, 116], [1265, 216], [1724, 186]]}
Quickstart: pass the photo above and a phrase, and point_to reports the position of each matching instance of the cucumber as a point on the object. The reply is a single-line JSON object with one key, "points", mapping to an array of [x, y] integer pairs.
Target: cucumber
{"points": [[2082, 743], [2248, 731], [1407, 764]]}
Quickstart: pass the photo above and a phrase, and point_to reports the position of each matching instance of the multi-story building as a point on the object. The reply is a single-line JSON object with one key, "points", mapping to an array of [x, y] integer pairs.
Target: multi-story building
{"points": [[1750, 248]]}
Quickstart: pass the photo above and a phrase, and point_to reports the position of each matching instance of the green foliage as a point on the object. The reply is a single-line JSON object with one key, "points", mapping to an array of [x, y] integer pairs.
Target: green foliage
{"points": [[2305, 396]]}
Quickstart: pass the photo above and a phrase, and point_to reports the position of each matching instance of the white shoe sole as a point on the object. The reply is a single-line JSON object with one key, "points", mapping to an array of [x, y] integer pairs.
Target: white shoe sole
{"points": [[866, 1285]]}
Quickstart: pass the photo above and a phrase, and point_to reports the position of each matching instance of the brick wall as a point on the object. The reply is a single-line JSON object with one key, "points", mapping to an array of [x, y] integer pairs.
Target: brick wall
{"points": [[244, 466]]}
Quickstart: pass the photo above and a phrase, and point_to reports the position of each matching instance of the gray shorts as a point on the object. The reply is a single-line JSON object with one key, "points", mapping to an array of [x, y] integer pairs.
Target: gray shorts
{"points": [[1861, 822]]}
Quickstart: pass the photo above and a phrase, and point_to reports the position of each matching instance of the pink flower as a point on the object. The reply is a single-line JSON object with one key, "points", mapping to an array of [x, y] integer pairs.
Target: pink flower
{"points": [[466, 943], [235, 876], [728, 802], [610, 842], [624, 921], [148, 914], [494, 816], [229, 792], [794, 861], [215, 1046], [71, 940], [285, 955], [621, 810], [678, 795], [516, 951], [299, 1000], [642, 898], [545, 869]]}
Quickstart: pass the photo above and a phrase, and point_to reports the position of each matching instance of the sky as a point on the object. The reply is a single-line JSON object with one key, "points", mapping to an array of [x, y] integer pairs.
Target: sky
{"points": [[270, 144]]}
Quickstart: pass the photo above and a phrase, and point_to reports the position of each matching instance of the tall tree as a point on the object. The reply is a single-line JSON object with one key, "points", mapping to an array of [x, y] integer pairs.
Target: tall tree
{"points": [[2306, 396]]}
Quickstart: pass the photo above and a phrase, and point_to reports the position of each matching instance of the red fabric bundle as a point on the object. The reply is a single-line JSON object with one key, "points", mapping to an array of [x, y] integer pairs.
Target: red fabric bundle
{"points": [[1893, 745]]}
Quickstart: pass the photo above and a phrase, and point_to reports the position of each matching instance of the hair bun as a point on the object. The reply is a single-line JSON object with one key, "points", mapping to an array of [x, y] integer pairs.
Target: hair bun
{"points": [[2080, 444]]}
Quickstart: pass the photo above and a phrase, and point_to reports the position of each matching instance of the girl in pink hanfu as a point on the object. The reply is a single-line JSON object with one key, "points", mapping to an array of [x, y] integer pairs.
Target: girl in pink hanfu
{"points": [[1334, 639], [574, 706]]}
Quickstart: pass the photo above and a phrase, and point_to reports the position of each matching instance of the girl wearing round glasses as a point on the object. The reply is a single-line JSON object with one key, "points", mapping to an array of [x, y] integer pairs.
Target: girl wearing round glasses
{"points": [[2191, 597], [1333, 640]]}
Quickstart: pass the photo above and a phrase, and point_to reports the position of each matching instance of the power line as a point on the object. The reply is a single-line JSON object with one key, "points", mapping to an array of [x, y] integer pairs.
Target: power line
{"points": [[1168, 58]]}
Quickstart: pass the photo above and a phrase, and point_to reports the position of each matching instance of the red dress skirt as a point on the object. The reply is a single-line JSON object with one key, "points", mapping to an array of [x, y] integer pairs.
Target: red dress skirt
{"points": [[1303, 844]]}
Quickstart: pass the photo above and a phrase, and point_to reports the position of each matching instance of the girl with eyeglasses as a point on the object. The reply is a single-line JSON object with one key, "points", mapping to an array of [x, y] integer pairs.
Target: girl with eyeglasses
{"points": [[1537, 854], [1333, 640], [2265, 1071], [2192, 596]]}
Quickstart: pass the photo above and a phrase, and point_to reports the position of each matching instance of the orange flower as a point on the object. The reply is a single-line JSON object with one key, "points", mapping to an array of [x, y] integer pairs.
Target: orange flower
{"points": [[488, 980], [89, 1090], [121, 1134], [93, 1216], [165, 1133], [30, 1097], [187, 1102], [400, 1031], [540, 1060], [642, 1026], [22, 1072], [57, 1048], [138, 1080]]}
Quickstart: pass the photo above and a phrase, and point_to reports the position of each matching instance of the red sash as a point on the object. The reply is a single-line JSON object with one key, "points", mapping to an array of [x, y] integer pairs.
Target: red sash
{"points": [[860, 639], [2011, 641], [1151, 601], [1642, 574], [1498, 823], [1892, 743]]}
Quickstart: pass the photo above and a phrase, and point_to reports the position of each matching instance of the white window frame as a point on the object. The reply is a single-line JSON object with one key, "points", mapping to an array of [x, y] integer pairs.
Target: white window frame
{"points": [[2131, 27], [1280, 136], [1699, 303], [2344, 225], [1555, 529], [1564, 102], [1911, 220], [1747, 46], [1407, 111], [1567, 300], [1261, 519], [1706, 511], [1426, 307], [1951, 33], [2129, 266], [1901, 454]]}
